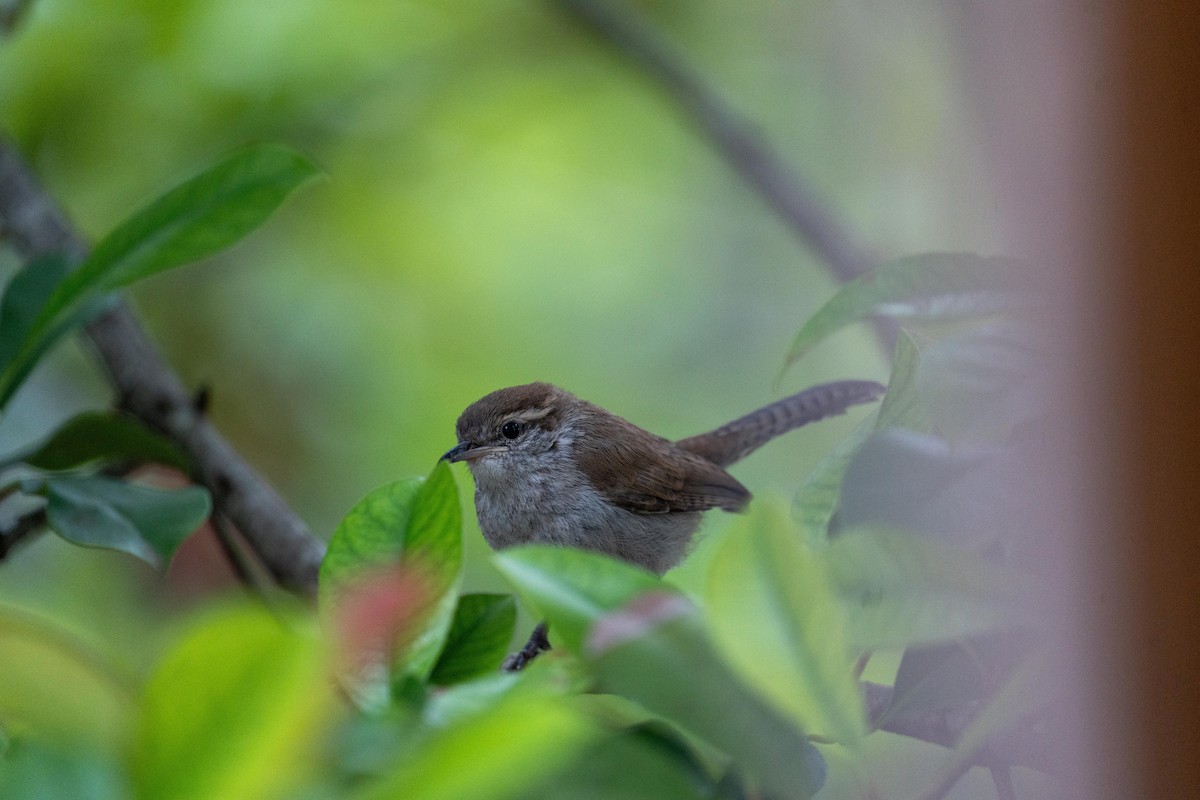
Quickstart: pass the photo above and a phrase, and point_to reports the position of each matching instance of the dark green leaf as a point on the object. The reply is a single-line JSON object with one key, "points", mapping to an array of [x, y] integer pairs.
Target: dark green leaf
{"points": [[24, 298], [415, 522], [776, 619], [933, 286], [108, 437], [654, 651], [478, 638], [196, 219], [572, 588], [102, 512], [199, 217]]}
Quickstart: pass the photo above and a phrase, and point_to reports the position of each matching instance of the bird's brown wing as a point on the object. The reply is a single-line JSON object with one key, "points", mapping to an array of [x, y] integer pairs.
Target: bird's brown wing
{"points": [[647, 474]]}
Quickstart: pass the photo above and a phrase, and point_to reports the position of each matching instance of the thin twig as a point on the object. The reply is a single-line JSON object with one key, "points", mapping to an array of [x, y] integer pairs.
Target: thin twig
{"points": [[147, 387], [226, 540], [734, 137]]}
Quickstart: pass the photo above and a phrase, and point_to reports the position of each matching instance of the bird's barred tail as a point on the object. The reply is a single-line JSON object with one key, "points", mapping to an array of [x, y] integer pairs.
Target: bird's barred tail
{"points": [[733, 442]]}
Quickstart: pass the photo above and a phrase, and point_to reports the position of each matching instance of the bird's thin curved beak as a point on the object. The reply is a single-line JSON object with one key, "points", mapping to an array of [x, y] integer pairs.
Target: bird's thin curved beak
{"points": [[460, 452], [465, 451]]}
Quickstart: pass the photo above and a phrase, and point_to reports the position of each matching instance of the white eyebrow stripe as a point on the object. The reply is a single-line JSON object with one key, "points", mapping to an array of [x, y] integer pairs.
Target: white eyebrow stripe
{"points": [[531, 415]]}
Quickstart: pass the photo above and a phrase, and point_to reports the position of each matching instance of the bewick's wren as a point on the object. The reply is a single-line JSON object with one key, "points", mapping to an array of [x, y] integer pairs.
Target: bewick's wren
{"points": [[554, 469]]}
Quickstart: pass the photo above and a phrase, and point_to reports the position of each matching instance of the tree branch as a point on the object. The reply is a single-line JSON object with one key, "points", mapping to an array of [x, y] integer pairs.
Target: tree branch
{"points": [[147, 387], [734, 137]]}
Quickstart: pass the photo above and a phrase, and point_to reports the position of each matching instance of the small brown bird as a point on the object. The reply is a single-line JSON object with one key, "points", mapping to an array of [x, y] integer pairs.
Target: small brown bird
{"points": [[554, 469]]}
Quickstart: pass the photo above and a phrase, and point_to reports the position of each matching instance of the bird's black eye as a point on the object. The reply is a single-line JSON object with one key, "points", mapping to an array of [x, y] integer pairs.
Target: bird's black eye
{"points": [[511, 429]]}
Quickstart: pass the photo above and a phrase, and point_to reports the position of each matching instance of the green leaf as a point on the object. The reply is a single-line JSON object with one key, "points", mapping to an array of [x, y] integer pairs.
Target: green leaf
{"points": [[102, 512], [932, 286], [24, 298], [901, 589], [818, 498], [478, 638], [572, 588], [639, 764], [492, 755], [935, 678], [105, 437], [901, 406], [816, 501], [32, 769], [236, 709], [196, 219], [777, 621], [415, 522], [58, 688], [654, 652]]}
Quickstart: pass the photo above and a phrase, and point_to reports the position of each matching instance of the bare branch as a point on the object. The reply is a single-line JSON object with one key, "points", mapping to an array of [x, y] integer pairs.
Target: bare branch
{"points": [[734, 137], [147, 387]]}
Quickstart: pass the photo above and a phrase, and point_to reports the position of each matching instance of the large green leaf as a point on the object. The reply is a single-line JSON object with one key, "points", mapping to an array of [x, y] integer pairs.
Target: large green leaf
{"points": [[776, 619], [236, 709], [106, 437], [817, 500], [900, 589], [654, 651], [572, 588], [412, 522], [933, 286], [58, 688], [196, 219], [478, 638], [102, 512]]}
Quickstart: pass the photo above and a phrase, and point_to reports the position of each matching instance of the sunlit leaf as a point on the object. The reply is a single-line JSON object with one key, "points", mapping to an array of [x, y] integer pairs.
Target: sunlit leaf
{"points": [[944, 286], [478, 637], [59, 688], [572, 588], [776, 619], [899, 589], [103, 512], [412, 522], [103, 436], [196, 219], [234, 710], [654, 651]]}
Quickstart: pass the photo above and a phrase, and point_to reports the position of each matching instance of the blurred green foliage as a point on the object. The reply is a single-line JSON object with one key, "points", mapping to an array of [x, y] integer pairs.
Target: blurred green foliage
{"points": [[507, 201]]}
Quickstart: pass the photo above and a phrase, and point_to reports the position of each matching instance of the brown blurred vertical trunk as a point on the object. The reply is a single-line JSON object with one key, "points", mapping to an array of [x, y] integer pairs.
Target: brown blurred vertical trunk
{"points": [[1159, 162]]}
